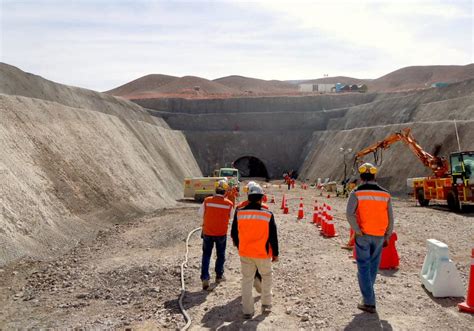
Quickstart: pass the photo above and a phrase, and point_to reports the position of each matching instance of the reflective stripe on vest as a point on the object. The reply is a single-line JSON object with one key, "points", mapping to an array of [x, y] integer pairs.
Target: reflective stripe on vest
{"points": [[217, 212], [372, 211], [254, 232]]}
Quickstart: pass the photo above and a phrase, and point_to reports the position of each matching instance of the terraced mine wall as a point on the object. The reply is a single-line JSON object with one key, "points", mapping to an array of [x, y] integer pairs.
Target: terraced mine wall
{"points": [[302, 135], [74, 161]]}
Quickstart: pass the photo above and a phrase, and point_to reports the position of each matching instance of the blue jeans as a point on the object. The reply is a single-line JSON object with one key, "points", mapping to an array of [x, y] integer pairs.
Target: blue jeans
{"points": [[368, 251], [207, 246]]}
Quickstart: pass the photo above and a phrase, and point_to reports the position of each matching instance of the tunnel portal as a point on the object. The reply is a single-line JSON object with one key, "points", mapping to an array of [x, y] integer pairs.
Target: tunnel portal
{"points": [[250, 166]]}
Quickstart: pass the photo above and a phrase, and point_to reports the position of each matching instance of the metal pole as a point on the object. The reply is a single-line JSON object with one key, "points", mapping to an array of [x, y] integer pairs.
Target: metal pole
{"points": [[345, 174]]}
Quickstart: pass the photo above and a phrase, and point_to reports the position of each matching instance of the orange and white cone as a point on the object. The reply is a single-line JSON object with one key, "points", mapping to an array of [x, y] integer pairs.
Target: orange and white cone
{"points": [[300, 211], [283, 202], [273, 199], [468, 305]]}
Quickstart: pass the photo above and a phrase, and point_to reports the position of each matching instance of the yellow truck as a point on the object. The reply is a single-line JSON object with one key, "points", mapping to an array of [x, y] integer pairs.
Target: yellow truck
{"points": [[198, 188]]}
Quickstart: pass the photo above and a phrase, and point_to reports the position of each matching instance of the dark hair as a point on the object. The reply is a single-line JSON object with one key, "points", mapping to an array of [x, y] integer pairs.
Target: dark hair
{"points": [[255, 197], [367, 176], [220, 191]]}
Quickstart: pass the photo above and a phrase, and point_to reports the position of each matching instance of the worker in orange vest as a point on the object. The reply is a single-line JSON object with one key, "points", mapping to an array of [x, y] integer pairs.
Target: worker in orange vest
{"points": [[257, 283], [232, 191], [369, 213], [254, 233], [216, 212]]}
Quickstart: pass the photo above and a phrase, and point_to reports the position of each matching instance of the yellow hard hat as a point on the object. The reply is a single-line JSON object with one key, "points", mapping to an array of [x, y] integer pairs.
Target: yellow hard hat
{"points": [[368, 168], [221, 185]]}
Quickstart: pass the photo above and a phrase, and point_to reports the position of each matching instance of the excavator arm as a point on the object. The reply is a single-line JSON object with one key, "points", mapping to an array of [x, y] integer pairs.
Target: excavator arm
{"points": [[438, 165]]}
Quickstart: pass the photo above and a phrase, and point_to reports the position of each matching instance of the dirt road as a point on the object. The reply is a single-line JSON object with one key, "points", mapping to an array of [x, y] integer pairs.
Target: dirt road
{"points": [[129, 276]]}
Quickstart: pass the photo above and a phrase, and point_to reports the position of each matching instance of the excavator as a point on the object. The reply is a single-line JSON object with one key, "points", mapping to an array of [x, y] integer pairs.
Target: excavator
{"points": [[452, 180]]}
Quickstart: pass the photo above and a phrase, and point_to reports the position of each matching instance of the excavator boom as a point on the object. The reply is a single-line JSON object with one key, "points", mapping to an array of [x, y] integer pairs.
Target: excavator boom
{"points": [[438, 165]]}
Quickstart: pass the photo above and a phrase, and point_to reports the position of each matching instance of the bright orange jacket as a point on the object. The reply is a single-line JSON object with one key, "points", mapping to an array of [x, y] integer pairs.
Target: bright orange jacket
{"points": [[372, 211], [232, 194], [254, 232], [217, 210], [246, 202]]}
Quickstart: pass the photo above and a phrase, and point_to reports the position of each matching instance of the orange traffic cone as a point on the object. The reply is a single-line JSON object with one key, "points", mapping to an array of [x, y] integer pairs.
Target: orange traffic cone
{"points": [[285, 210], [264, 199], [300, 211], [330, 228], [350, 244], [329, 196], [283, 202], [390, 258], [468, 305], [273, 199], [318, 220]]}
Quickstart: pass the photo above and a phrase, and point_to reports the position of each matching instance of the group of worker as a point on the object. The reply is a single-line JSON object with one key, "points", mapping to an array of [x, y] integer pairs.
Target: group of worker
{"points": [[254, 233]]}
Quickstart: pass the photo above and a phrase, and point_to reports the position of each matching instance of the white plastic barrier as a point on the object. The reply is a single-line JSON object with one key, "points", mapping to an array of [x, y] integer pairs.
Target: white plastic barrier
{"points": [[439, 274]]}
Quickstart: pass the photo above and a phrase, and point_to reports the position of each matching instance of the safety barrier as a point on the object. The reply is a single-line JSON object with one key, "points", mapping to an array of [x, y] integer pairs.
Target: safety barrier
{"points": [[439, 274]]}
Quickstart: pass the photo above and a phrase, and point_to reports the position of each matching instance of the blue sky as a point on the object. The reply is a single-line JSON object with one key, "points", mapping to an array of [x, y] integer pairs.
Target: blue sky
{"points": [[103, 44]]}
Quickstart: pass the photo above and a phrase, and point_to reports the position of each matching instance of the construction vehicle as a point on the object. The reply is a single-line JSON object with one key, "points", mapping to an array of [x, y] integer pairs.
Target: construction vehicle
{"points": [[452, 180], [198, 188], [228, 173]]}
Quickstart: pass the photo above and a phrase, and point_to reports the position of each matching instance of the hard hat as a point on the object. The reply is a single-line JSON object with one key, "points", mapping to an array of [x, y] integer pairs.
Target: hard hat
{"points": [[249, 184], [368, 168], [255, 189], [222, 185]]}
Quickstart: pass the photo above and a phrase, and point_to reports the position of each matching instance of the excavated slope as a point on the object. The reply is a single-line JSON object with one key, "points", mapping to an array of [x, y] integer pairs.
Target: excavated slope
{"points": [[74, 160]]}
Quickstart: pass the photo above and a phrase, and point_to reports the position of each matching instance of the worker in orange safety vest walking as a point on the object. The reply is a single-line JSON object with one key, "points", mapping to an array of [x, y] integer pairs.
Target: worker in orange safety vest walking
{"points": [[232, 192], [254, 233], [369, 213], [216, 212]]}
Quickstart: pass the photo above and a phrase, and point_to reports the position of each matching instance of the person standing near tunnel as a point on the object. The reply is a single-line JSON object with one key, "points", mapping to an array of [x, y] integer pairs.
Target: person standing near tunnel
{"points": [[254, 233], [369, 213], [216, 212]]}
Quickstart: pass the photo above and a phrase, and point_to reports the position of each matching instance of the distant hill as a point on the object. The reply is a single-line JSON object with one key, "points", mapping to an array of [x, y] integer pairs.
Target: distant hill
{"points": [[162, 86], [148, 83], [421, 77], [257, 86]]}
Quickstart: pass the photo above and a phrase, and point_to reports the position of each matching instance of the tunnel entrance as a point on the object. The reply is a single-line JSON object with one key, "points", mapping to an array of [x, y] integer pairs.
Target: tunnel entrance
{"points": [[250, 166]]}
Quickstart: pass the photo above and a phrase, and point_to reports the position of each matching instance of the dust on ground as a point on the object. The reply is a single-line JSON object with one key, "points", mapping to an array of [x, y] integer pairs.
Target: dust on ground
{"points": [[129, 276]]}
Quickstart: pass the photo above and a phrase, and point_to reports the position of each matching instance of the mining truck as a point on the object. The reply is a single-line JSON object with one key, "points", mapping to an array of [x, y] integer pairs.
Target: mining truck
{"points": [[452, 180]]}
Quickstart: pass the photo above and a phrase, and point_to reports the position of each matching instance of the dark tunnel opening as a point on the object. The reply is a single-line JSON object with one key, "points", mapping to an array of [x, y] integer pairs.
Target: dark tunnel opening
{"points": [[250, 166]]}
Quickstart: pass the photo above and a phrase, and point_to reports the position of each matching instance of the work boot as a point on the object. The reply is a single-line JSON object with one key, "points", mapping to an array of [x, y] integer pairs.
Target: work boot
{"points": [[220, 279], [266, 309], [367, 308], [205, 284], [247, 316]]}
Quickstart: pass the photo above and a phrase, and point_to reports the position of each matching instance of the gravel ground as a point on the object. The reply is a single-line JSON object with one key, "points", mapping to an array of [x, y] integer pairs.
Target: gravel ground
{"points": [[129, 276]]}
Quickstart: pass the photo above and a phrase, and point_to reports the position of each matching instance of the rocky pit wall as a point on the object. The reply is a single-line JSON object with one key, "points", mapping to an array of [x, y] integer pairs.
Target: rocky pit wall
{"points": [[68, 171], [302, 134]]}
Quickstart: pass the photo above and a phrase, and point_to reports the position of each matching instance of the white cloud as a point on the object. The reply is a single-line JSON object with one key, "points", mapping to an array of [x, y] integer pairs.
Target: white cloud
{"points": [[102, 44]]}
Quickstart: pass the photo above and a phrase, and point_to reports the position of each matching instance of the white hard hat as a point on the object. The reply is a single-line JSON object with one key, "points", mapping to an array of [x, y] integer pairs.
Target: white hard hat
{"points": [[255, 189]]}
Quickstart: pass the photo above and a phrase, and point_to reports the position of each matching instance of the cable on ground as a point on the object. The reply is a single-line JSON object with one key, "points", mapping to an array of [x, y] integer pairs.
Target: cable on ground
{"points": [[183, 289]]}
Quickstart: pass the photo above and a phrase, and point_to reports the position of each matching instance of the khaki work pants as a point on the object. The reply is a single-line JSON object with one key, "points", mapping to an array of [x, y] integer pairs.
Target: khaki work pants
{"points": [[249, 266]]}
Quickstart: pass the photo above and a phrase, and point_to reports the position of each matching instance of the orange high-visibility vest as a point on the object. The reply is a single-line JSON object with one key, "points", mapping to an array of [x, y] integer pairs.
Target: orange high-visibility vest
{"points": [[217, 210], [372, 211], [246, 202], [254, 232], [232, 194]]}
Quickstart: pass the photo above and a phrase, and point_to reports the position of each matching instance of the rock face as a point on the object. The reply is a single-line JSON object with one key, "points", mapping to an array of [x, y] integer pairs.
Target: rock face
{"points": [[74, 160], [305, 133]]}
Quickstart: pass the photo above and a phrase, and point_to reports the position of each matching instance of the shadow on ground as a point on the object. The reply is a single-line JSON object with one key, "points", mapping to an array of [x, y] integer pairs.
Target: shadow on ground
{"points": [[229, 317], [366, 321]]}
